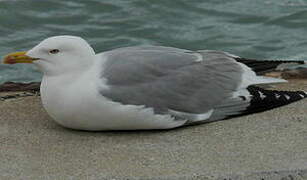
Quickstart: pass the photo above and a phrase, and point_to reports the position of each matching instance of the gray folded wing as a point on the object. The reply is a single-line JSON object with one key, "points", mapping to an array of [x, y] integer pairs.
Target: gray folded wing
{"points": [[170, 79]]}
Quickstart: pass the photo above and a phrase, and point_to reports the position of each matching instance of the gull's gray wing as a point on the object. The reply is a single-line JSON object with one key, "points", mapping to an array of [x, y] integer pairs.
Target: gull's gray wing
{"points": [[170, 79], [197, 86]]}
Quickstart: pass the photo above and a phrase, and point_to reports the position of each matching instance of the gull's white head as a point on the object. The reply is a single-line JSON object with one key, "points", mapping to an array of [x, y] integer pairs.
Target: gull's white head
{"points": [[57, 55]]}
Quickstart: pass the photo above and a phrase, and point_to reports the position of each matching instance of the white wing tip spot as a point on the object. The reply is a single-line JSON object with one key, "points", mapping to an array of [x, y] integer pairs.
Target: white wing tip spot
{"points": [[277, 96], [262, 96]]}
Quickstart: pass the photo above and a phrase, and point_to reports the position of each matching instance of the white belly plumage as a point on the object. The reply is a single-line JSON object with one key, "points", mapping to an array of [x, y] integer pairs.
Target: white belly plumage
{"points": [[80, 106]]}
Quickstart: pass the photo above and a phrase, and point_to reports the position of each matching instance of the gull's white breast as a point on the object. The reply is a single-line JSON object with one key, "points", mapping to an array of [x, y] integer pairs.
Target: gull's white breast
{"points": [[74, 102]]}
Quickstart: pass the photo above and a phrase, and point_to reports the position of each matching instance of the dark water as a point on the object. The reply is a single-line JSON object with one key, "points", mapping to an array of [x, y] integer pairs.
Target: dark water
{"points": [[248, 28]]}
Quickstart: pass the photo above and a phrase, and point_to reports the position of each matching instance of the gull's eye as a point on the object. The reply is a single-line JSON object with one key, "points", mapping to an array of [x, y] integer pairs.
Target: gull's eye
{"points": [[54, 51]]}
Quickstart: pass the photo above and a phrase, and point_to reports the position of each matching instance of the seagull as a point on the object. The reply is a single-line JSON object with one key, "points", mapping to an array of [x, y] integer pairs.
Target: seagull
{"points": [[148, 87]]}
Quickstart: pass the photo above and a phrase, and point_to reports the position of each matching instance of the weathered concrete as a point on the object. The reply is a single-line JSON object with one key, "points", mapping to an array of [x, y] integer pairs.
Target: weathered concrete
{"points": [[270, 145]]}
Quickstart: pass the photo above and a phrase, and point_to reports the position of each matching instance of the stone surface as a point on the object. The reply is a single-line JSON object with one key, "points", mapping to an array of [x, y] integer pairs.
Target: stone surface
{"points": [[269, 145]]}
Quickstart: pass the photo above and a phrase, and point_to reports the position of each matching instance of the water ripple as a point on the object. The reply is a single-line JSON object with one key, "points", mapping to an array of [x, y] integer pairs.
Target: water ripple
{"points": [[255, 29]]}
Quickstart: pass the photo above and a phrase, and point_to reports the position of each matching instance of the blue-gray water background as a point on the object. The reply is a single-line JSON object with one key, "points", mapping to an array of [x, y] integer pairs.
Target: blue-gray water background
{"points": [[249, 28]]}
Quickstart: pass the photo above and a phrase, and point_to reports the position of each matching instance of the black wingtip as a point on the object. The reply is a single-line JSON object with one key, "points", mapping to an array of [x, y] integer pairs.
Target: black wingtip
{"points": [[262, 99]]}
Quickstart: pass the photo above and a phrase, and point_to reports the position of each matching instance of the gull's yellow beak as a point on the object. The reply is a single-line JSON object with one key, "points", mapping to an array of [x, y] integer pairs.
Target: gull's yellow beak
{"points": [[18, 57]]}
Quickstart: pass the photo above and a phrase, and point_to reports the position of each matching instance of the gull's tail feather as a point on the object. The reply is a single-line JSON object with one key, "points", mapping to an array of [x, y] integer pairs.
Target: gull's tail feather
{"points": [[264, 66]]}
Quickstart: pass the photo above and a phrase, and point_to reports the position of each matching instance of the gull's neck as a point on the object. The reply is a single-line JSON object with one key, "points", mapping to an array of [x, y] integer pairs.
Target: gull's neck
{"points": [[63, 79]]}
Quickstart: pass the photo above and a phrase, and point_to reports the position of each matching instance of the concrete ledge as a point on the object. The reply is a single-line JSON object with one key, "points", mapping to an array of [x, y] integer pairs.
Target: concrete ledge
{"points": [[270, 145]]}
